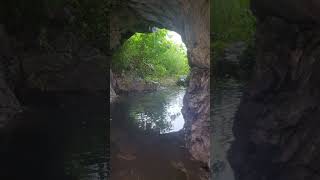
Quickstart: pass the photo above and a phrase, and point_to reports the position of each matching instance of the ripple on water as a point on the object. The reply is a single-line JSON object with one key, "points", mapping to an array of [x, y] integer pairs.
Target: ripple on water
{"points": [[226, 99]]}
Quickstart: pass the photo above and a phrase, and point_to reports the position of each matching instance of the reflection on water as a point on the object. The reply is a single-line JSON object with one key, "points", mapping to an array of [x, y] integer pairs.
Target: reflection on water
{"points": [[158, 111], [138, 151], [226, 99]]}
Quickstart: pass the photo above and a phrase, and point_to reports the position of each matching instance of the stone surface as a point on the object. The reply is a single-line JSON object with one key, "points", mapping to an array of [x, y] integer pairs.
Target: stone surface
{"points": [[112, 83], [298, 11], [277, 125], [196, 109], [9, 105], [66, 65]]}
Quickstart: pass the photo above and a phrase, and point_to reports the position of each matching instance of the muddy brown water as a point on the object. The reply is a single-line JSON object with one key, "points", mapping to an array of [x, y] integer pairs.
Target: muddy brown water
{"points": [[147, 139]]}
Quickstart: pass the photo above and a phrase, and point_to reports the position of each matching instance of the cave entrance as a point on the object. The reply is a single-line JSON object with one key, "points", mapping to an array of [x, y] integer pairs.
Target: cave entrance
{"points": [[150, 73], [150, 76]]}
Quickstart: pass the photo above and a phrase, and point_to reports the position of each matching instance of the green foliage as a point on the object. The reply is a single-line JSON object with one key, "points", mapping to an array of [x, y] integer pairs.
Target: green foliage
{"points": [[231, 20], [151, 56]]}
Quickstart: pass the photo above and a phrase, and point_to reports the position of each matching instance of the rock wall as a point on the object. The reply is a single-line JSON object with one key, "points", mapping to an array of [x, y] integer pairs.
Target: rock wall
{"points": [[63, 63], [9, 105], [66, 64], [277, 125], [56, 46], [112, 83], [191, 20], [43, 50]]}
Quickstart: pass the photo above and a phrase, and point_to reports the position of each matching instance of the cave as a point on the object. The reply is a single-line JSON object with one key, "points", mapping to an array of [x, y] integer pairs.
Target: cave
{"points": [[276, 127], [191, 21], [57, 53]]}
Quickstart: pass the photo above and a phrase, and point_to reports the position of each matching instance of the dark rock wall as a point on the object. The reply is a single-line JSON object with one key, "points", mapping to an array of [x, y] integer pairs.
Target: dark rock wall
{"points": [[191, 20], [44, 51], [9, 105], [66, 64], [50, 57], [48, 51], [277, 125]]}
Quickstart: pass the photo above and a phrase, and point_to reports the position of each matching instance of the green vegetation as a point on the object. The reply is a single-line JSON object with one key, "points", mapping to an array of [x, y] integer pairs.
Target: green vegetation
{"points": [[231, 20], [151, 56]]}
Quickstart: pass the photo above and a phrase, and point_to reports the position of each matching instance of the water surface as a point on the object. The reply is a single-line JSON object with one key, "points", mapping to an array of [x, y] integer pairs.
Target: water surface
{"points": [[147, 138], [158, 111], [226, 99]]}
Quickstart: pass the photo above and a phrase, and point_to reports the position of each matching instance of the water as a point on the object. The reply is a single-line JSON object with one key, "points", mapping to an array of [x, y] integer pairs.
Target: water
{"points": [[147, 138], [158, 111], [59, 136], [226, 99]]}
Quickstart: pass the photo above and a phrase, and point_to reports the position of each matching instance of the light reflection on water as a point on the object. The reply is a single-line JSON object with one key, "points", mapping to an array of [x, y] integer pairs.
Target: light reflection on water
{"points": [[158, 111]]}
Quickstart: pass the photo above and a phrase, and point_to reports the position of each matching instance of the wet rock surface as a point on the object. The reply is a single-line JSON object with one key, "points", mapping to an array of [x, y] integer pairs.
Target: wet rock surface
{"points": [[276, 128], [196, 109], [113, 94], [112, 83]]}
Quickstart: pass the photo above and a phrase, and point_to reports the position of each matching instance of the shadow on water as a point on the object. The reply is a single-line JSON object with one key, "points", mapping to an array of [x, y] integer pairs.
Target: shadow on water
{"points": [[57, 137]]}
